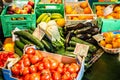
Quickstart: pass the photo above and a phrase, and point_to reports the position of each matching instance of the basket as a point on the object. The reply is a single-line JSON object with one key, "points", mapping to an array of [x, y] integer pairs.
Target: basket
{"points": [[113, 50], [56, 8], [9, 24]]}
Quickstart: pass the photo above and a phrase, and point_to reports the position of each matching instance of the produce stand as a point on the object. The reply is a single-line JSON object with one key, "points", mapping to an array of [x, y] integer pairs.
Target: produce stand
{"points": [[60, 40]]}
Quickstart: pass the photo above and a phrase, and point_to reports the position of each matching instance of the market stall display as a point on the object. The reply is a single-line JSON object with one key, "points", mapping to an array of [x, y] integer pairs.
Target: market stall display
{"points": [[55, 39]]}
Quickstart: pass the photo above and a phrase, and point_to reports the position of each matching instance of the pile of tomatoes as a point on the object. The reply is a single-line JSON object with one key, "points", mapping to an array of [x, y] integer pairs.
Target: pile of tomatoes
{"points": [[33, 66], [4, 56]]}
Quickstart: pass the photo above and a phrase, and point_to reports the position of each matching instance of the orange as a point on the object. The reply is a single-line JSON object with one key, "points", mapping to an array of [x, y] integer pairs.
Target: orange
{"points": [[117, 36], [84, 4], [102, 43], [108, 34], [68, 9], [99, 13], [74, 12], [117, 16], [116, 9], [108, 46], [108, 40], [81, 17], [60, 22], [115, 44], [98, 7], [87, 10]]}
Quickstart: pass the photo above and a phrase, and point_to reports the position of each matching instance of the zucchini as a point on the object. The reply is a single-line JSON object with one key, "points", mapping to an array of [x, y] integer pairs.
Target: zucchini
{"points": [[72, 43], [30, 31], [70, 54], [25, 41], [92, 48], [70, 48], [18, 51], [30, 37], [19, 44], [47, 46]]}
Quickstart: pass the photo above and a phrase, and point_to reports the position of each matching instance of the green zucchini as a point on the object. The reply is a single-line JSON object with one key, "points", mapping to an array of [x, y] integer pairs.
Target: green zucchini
{"points": [[92, 48], [18, 51], [19, 44], [72, 43], [70, 48], [25, 41], [30, 37], [30, 31], [70, 54]]}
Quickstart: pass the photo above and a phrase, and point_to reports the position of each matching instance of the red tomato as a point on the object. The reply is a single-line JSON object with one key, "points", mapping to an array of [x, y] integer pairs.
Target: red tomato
{"points": [[71, 69], [15, 69], [45, 71], [65, 68], [26, 70], [34, 59], [45, 76], [35, 76], [66, 76], [56, 76], [27, 77], [38, 53], [46, 63], [73, 76], [40, 66], [33, 69], [61, 65], [76, 67], [21, 78], [59, 69], [26, 62], [53, 63], [25, 56], [30, 51]]}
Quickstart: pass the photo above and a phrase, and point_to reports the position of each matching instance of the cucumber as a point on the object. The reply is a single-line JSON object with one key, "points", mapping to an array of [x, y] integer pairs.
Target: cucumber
{"points": [[32, 28], [30, 31], [18, 51], [70, 54], [47, 45], [92, 48], [30, 37], [72, 43], [70, 48], [19, 44], [25, 41]]}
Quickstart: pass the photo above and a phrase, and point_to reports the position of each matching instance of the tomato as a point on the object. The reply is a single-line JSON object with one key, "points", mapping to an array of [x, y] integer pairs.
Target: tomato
{"points": [[21, 78], [65, 68], [61, 65], [38, 53], [40, 66], [76, 67], [27, 77], [73, 76], [30, 51], [56, 76], [45, 76], [26, 62], [15, 69], [71, 69], [53, 63], [25, 56], [33, 69], [66, 76], [59, 69], [45, 71], [46, 63], [34, 59], [35, 76], [26, 70]]}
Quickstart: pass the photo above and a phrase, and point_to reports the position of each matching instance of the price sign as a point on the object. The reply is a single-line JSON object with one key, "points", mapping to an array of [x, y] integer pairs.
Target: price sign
{"points": [[108, 10], [81, 49], [98, 37]]}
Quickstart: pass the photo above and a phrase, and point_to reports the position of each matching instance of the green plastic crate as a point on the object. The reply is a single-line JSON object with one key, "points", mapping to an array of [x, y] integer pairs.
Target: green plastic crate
{"points": [[58, 8], [107, 24], [8, 25]]}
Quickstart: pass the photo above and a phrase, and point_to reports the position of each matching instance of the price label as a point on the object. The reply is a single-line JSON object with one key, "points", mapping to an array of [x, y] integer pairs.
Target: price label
{"points": [[98, 37], [108, 10], [81, 50]]}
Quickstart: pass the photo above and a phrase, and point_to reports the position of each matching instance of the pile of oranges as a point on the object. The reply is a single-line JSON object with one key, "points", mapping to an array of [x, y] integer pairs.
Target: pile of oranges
{"points": [[111, 40], [78, 8], [114, 15]]}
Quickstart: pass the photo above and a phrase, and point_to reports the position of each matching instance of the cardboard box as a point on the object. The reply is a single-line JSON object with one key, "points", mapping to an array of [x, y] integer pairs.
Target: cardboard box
{"points": [[8, 75]]}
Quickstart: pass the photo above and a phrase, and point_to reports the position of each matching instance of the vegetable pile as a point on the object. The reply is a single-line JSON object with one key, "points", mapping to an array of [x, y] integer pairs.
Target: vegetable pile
{"points": [[34, 66], [4, 56]]}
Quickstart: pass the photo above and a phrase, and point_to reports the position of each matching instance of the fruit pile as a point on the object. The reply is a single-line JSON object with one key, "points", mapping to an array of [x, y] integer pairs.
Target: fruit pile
{"points": [[46, 17], [33, 66], [114, 15], [111, 40], [51, 1], [27, 8], [4, 56], [78, 8]]}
